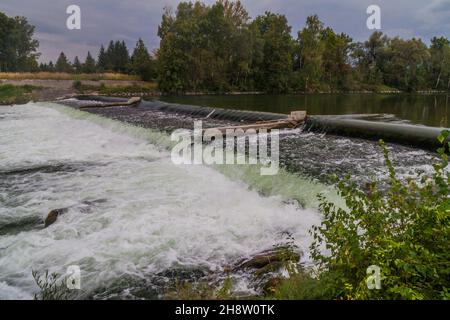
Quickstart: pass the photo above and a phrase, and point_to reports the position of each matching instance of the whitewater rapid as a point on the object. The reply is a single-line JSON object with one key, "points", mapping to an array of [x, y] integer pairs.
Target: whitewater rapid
{"points": [[131, 211]]}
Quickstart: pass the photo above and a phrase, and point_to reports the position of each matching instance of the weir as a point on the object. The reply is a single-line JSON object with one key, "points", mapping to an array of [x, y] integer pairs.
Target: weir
{"points": [[406, 134], [344, 125]]}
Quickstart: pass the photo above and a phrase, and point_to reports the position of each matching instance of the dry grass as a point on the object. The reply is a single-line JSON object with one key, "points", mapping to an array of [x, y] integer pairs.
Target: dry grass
{"points": [[116, 88], [66, 76], [146, 86]]}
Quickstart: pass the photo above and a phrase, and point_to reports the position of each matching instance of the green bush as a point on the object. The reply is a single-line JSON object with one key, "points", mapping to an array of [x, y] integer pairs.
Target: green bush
{"points": [[403, 228], [77, 85], [16, 94]]}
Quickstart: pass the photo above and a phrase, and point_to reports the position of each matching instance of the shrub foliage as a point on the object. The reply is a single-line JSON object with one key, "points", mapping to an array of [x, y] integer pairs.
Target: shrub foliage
{"points": [[403, 228]]}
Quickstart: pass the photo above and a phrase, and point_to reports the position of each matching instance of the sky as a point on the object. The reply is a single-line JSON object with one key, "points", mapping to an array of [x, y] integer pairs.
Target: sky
{"points": [[129, 20]]}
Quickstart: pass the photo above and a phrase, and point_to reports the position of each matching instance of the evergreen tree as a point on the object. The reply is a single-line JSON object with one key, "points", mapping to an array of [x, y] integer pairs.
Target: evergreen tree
{"points": [[89, 65], [77, 65], [122, 57], [117, 58], [110, 59], [43, 67], [142, 63], [51, 67], [102, 63], [62, 64]]}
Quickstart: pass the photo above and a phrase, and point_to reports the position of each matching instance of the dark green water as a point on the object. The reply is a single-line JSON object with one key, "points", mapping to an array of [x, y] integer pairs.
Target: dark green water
{"points": [[431, 110]]}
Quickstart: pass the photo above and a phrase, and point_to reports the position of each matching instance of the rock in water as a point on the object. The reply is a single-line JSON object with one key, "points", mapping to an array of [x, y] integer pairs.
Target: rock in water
{"points": [[83, 207], [267, 258], [53, 216]]}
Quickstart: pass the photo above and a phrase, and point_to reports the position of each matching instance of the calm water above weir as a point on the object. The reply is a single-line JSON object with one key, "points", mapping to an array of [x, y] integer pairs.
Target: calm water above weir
{"points": [[430, 110]]}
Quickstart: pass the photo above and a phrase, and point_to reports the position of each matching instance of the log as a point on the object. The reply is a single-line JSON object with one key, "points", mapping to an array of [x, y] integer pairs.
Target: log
{"points": [[131, 102], [299, 116], [293, 120]]}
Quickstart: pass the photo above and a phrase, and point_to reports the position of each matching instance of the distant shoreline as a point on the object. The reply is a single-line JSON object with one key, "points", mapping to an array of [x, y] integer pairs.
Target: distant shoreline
{"points": [[52, 89]]}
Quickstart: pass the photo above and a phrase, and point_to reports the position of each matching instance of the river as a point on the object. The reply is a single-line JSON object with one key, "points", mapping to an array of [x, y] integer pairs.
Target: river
{"points": [[136, 221], [425, 109], [133, 215]]}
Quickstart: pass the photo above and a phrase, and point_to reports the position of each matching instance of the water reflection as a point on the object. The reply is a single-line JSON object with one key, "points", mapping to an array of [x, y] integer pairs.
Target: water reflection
{"points": [[431, 110]]}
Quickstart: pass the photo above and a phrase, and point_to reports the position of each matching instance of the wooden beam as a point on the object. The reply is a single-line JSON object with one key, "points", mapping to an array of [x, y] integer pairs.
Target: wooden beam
{"points": [[131, 102], [299, 116], [294, 120]]}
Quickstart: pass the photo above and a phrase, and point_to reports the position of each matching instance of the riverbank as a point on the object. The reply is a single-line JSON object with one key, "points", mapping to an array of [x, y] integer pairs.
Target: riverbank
{"points": [[67, 76], [52, 86], [19, 91], [10, 94]]}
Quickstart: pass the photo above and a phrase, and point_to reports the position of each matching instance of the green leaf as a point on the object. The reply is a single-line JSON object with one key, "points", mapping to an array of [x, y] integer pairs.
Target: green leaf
{"points": [[443, 135]]}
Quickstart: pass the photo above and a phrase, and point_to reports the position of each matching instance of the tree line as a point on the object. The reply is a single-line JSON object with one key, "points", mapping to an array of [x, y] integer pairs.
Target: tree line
{"points": [[115, 58], [18, 53], [219, 48]]}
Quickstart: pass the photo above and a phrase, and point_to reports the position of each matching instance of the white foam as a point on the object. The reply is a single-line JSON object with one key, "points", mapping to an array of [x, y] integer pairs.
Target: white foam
{"points": [[156, 215]]}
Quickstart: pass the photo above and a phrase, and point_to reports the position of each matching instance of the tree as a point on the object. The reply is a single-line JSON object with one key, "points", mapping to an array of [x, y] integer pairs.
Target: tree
{"points": [[336, 68], [102, 62], [116, 58], [218, 48], [142, 63], [89, 65], [310, 58], [182, 51], [205, 47], [439, 72], [77, 65], [17, 46], [110, 56], [239, 45], [371, 58], [62, 64], [51, 67], [407, 64], [122, 57], [43, 67], [275, 69]]}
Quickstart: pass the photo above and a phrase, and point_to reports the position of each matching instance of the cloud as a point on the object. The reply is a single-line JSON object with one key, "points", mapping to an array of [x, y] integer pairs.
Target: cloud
{"points": [[434, 18], [440, 6], [104, 20]]}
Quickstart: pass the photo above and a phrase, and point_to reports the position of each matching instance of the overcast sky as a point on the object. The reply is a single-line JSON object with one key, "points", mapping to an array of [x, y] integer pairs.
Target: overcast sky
{"points": [[103, 20]]}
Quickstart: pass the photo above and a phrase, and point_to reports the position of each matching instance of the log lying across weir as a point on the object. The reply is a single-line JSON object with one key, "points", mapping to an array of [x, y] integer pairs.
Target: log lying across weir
{"points": [[131, 102], [295, 119], [344, 125]]}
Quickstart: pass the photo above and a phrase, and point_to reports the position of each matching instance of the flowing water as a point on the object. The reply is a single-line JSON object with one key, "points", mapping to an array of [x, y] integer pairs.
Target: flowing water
{"points": [[136, 221], [132, 213]]}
